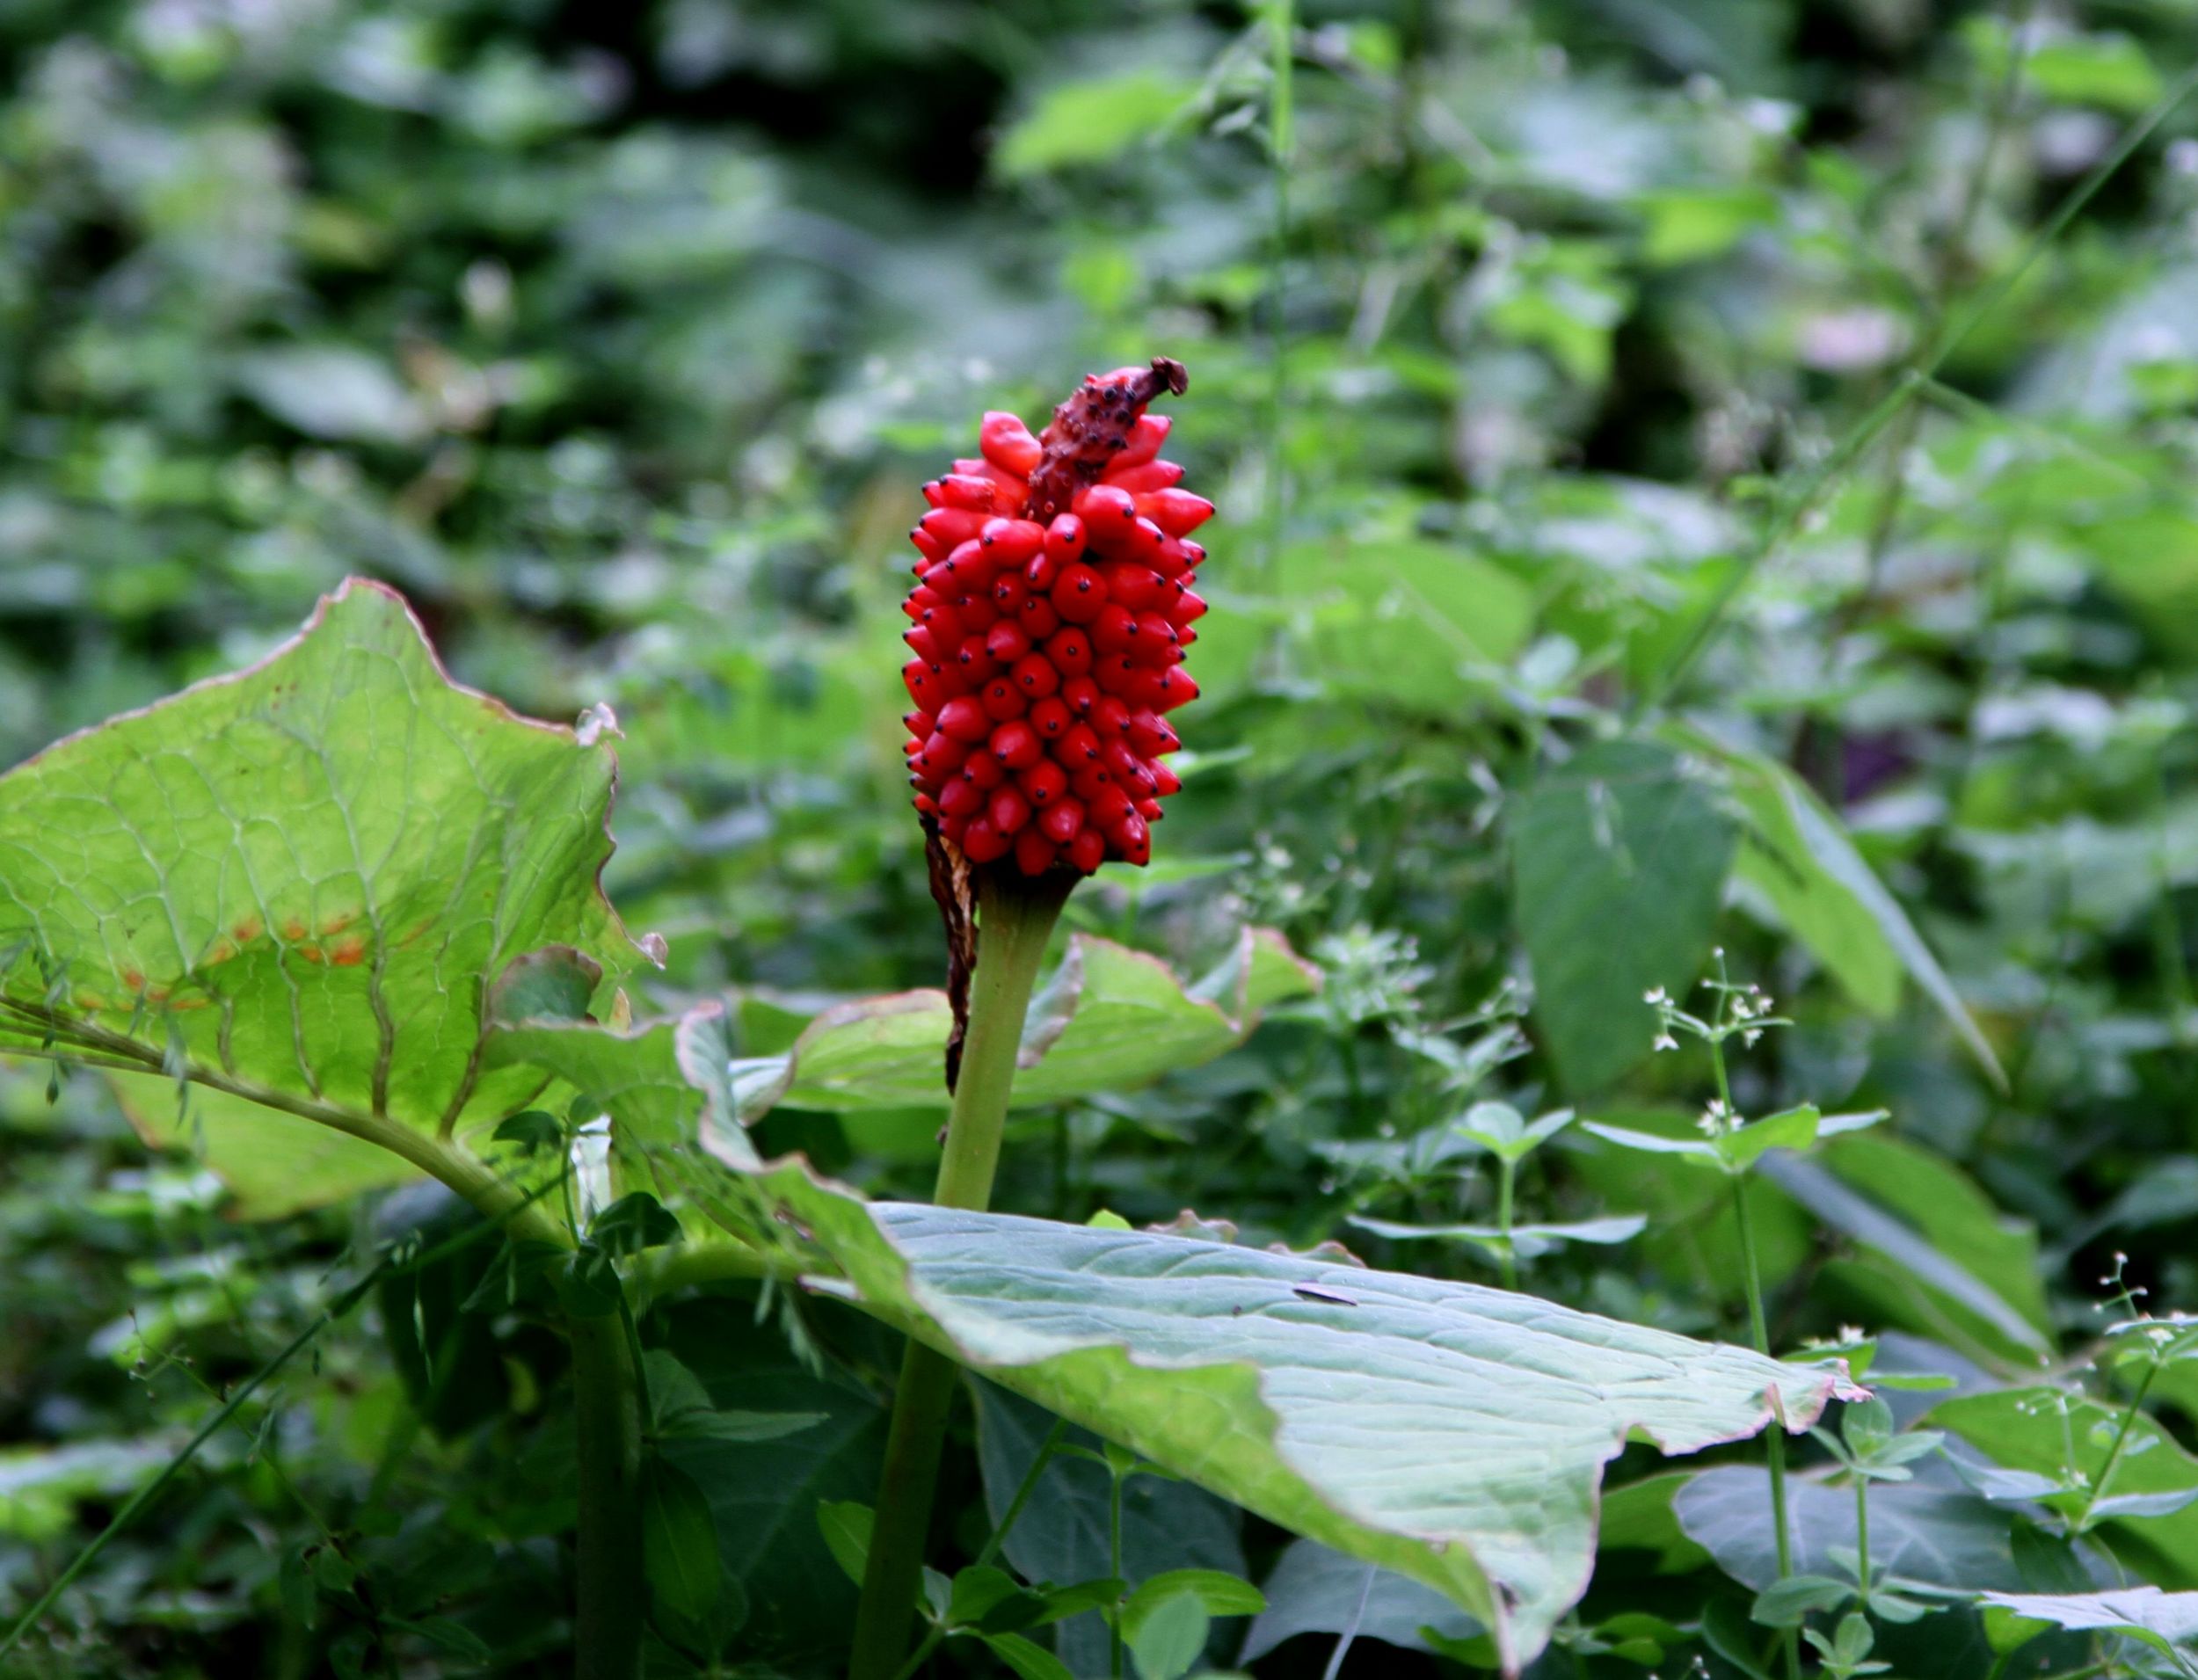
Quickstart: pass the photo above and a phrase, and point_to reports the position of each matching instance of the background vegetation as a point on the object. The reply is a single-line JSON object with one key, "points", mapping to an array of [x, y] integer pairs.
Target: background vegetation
{"points": [[1687, 420]]}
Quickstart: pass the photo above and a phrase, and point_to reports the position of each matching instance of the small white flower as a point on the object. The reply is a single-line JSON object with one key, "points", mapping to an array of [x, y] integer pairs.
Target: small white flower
{"points": [[1665, 1041]]}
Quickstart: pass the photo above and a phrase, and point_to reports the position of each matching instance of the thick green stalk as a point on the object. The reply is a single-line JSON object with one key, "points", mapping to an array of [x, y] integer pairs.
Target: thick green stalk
{"points": [[607, 1413], [1016, 918]]}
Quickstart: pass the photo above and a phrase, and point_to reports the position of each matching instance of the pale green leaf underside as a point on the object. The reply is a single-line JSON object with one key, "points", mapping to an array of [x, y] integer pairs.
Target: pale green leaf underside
{"points": [[1454, 1433], [304, 875], [1110, 1019], [2162, 1619]]}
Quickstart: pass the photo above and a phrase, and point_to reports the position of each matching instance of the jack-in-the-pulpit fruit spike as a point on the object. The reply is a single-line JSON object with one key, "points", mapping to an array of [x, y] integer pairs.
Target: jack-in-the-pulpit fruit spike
{"points": [[1052, 609]]}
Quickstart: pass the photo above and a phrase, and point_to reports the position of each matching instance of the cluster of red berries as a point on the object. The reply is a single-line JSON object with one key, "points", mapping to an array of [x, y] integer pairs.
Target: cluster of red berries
{"points": [[1053, 608]]}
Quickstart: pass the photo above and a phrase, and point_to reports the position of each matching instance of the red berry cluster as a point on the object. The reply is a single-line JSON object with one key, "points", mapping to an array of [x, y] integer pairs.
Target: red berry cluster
{"points": [[1053, 608]]}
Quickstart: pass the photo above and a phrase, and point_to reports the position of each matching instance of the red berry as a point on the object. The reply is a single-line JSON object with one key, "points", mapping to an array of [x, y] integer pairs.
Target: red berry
{"points": [[1007, 442], [1107, 512], [1177, 511], [1079, 593], [1011, 543], [1133, 840], [1065, 540], [1002, 700], [1052, 717], [1007, 642], [1106, 807], [1036, 676], [1176, 689], [982, 843], [1017, 746], [1145, 479], [965, 720], [962, 489], [1008, 809], [1112, 631], [1061, 821], [1039, 618], [984, 771], [1087, 851], [1150, 736], [1081, 694], [1145, 437], [1069, 652], [1034, 853], [1044, 782]]}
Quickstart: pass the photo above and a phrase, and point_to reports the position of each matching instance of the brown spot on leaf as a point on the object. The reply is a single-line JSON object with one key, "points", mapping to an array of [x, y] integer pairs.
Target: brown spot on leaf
{"points": [[348, 953]]}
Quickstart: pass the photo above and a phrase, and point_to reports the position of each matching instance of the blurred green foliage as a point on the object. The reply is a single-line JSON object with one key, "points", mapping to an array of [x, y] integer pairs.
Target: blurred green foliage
{"points": [[619, 339]]}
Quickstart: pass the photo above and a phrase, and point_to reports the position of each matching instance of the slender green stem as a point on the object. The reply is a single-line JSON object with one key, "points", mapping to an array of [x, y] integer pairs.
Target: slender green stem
{"points": [[1016, 918], [243, 1390], [1792, 509], [605, 1375], [2113, 1452], [1862, 1534], [1282, 149], [1114, 1567], [607, 1411], [1775, 1440], [1506, 1175], [998, 1538]]}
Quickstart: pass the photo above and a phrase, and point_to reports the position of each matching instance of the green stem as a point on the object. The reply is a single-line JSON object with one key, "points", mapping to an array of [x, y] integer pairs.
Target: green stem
{"points": [[1114, 1568], [1282, 149], [1028, 1486], [242, 1392], [606, 1411], [1774, 1442], [606, 1378], [2113, 1452], [1862, 1534], [1506, 1172], [1016, 918]]}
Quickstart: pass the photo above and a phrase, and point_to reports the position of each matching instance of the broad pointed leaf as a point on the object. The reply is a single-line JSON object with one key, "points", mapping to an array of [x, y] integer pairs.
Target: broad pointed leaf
{"points": [[1801, 859], [1254, 1375], [1618, 863], [306, 878]]}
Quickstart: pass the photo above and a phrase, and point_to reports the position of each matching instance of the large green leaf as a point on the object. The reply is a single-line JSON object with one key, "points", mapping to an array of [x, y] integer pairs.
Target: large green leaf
{"points": [[1110, 1018], [1066, 1531], [307, 880], [2162, 1620], [1256, 1374], [2066, 1440], [1420, 624], [1798, 857], [1935, 1254], [1618, 863]]}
